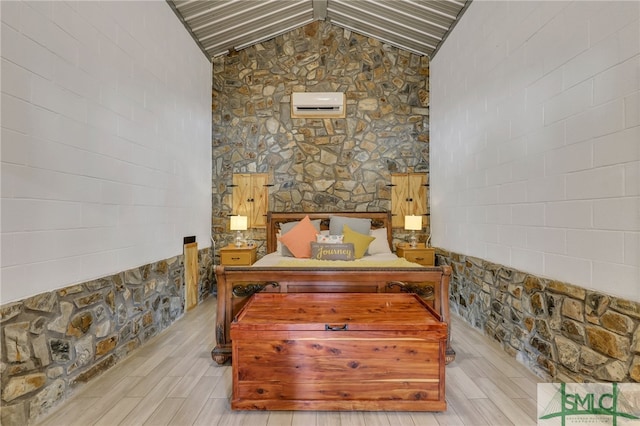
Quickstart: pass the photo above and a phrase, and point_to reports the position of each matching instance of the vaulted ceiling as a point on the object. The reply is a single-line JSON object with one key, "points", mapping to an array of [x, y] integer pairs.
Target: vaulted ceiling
{"points": [[221, 26]]}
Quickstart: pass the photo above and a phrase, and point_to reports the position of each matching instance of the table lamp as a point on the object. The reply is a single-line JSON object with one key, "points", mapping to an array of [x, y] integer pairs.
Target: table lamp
{"points": [[413, 223], [239, 224]]}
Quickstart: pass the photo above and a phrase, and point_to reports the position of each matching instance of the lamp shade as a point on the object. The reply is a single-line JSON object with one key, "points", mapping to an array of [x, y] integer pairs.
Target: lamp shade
{"points": [[413, 223], [238, 223]]}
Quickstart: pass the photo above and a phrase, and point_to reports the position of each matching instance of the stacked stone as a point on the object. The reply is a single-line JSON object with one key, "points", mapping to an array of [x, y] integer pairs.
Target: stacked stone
{"points": [[318, 164], [560, 331], [55, 341]]}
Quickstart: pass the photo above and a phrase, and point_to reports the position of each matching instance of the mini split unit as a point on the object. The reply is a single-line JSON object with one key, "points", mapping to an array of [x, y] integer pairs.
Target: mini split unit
{"points": [[318, 105]]}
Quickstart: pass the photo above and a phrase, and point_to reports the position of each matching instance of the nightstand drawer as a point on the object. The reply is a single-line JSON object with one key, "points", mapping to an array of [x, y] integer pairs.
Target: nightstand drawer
{"points": [[236, 258], [425, 256]]}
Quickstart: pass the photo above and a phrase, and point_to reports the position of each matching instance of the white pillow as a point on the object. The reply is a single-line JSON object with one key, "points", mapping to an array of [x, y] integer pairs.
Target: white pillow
{"points": [[380, 245]]}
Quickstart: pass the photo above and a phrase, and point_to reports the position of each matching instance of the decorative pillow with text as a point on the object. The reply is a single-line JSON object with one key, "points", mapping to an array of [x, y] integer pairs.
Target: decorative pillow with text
{"points": [[320, 251]]}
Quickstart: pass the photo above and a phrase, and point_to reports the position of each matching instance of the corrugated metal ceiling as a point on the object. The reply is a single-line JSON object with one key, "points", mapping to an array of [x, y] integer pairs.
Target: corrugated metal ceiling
{"points": [[220, 26]]}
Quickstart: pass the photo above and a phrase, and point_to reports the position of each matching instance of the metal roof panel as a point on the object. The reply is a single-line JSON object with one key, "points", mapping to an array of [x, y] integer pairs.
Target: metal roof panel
{"points": [[219, 26]]}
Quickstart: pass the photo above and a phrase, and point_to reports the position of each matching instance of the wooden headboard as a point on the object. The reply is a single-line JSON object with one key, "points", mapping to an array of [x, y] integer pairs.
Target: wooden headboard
{"points": [[275, 219]]}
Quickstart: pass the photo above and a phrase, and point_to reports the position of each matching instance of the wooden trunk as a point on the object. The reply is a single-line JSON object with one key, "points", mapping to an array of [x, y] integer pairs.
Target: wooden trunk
{"points": [[338, 351]]}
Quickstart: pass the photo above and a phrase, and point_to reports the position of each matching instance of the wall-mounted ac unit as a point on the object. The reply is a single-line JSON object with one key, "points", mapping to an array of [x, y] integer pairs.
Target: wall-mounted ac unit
{"points": [[318, 105]]}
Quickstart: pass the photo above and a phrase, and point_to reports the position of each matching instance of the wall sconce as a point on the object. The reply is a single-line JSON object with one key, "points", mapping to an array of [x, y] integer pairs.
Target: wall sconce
{"points": [[239, 224], [413, 224]]}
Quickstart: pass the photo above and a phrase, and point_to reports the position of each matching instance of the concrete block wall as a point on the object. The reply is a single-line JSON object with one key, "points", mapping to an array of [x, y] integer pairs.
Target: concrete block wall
{"points": [[105, 168], [535, 141], [106, 141]]}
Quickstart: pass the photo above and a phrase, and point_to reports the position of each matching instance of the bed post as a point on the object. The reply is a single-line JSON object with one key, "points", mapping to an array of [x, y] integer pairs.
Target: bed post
{"points": [[223, 318], [444, 310]]}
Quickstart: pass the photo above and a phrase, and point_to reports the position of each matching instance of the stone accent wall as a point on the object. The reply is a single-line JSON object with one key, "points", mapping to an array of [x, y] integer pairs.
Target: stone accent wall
{"points": [[560, 331], [318, 164], [54, 342]]}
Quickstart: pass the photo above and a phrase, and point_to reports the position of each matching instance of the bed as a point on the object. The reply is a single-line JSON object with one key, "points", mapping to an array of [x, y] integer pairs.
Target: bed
{"points": [[372, 273]]}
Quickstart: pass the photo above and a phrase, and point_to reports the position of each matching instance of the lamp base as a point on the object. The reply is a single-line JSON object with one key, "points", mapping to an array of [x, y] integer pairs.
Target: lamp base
{"points": [[239, 239], [413, 240]]}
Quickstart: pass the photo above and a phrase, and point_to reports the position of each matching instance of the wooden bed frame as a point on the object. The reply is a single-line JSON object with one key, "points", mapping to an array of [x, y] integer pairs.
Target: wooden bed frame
{"points": [[237, 283]]}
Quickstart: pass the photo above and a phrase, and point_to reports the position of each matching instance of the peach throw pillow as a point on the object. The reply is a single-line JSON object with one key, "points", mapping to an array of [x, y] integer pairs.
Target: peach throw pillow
{"points": [[298, 239]]}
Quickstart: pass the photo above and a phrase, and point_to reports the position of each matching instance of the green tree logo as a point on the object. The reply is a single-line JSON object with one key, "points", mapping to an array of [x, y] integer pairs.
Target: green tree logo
{"points": [[589, 399]]}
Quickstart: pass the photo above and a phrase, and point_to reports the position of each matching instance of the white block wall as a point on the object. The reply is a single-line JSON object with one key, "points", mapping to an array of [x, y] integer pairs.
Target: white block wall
{"points": [[105, 149], [535, 140]]}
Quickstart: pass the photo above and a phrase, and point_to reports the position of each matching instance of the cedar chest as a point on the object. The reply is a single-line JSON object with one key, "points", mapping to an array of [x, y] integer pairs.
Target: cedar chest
{"points": [[338, 351]]}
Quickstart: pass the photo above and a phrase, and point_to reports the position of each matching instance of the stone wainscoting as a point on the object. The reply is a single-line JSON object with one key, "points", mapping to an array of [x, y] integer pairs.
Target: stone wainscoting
{"points": [[559, 331], [54, 342]]}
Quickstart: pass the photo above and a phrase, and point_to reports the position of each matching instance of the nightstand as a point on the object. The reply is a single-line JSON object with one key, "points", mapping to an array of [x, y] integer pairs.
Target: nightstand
{"points": [[425, 256], [237, 256]]}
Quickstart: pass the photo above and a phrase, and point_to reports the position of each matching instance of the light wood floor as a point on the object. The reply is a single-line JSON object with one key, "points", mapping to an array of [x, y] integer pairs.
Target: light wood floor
{"points": [[172, 380]]}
